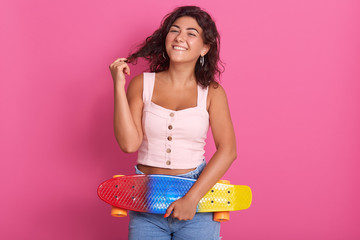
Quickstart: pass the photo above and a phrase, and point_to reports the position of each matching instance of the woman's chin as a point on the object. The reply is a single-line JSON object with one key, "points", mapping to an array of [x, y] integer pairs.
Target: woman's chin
{"points": [[180, 61]]}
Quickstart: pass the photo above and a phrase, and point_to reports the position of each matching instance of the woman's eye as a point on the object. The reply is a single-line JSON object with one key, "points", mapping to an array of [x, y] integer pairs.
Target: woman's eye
{"points": [[191, 34]]}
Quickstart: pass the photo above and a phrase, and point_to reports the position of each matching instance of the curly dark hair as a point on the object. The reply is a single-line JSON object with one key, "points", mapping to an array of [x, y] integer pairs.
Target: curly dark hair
{"points": [[153, 48]]}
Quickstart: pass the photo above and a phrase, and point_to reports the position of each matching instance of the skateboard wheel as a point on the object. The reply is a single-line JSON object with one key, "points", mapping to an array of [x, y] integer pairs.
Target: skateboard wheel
{"points": [[118, 212], [116, 176], [221, 216]]}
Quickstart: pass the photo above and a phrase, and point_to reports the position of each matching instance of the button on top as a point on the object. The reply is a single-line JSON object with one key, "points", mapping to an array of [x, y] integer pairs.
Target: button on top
{"points": [[170, 127], [172, 114]]}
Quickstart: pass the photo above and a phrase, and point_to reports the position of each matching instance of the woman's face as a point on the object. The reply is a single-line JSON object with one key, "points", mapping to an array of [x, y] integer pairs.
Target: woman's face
{"points": [[184, 42]]}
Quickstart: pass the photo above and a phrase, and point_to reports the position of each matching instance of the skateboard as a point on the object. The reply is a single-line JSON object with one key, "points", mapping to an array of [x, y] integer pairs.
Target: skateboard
{"points": [[154, 194]]}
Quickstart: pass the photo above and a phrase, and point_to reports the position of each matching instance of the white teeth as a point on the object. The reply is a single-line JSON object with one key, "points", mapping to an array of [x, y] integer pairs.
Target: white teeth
{"points": [[179, 48]]}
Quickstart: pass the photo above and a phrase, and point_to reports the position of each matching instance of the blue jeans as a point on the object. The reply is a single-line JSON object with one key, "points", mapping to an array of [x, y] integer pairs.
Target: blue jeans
{"points": [[154, 226]]}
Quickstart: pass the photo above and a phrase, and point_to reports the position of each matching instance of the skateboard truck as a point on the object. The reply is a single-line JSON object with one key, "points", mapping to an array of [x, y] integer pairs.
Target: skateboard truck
{"points": [[222, 216], [115, 211]]}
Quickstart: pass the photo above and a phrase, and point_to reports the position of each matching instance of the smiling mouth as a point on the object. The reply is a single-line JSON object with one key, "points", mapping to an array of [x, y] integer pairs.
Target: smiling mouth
{"points": [[179, 48]]}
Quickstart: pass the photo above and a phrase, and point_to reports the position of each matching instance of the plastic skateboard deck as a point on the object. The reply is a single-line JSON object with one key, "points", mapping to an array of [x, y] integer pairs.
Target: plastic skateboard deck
{"points": [[154, 194]]}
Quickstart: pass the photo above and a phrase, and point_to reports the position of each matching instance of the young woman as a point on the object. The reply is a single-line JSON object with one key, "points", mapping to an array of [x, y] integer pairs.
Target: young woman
{"points": [[165, 116]]}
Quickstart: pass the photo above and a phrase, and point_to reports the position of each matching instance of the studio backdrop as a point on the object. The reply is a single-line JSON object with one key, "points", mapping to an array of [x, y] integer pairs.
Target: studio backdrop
{"points": [[292, 81]]}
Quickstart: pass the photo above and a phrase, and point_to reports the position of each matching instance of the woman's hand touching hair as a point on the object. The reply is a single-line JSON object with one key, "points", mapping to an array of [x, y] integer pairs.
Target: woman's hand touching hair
{"points": [[118, 70]]}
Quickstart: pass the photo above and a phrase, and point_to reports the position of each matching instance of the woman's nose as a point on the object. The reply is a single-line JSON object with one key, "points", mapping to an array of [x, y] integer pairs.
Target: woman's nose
{"points": [[179, 37]]}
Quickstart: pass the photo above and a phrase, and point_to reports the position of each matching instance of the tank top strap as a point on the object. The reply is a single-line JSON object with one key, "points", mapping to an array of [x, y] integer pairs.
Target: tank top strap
{"points": [[202, 96], [148, 85]]}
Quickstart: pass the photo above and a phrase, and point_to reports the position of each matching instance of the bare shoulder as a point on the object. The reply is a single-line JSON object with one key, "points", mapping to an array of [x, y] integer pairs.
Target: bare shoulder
{"points": [[215, 89], [136, 81], [135, 87], [216, 95]]}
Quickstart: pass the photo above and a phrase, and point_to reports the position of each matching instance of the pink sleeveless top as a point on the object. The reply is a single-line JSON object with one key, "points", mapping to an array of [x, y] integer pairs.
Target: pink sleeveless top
{"points": [[172, 139]]}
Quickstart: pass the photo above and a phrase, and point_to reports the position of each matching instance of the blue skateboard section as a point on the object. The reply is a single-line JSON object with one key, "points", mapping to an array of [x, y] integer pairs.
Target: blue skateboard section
{"points": [[164, 189]]}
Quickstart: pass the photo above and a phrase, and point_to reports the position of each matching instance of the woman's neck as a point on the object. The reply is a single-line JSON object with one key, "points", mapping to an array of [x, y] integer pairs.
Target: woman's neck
{"points": [[181, 74]]}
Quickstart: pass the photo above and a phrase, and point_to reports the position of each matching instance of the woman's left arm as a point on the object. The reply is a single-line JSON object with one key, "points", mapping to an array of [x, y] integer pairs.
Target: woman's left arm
{"points": [[225, 142]]}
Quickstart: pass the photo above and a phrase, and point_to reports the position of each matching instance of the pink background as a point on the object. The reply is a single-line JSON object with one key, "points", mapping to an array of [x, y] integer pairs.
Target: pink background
{"points": [[292, 79]]}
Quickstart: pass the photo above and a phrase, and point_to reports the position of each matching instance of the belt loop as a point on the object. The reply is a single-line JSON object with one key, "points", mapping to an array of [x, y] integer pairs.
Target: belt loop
{"points": [[137, 171]]}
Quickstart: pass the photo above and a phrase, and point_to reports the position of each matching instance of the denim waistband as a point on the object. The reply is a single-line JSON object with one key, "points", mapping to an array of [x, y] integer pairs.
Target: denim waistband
{"points": [[193, 174]]}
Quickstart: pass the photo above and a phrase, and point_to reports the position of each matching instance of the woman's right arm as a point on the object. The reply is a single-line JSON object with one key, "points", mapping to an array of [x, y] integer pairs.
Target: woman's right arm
{"points": [[127, 107]]}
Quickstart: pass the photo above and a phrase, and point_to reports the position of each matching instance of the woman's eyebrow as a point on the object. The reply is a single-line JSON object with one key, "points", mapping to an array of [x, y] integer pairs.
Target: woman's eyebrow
{"points": [[186, 29]]}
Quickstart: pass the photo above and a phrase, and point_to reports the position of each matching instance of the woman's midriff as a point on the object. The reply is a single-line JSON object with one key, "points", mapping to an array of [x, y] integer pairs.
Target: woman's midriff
{"points": [[155, 170]]}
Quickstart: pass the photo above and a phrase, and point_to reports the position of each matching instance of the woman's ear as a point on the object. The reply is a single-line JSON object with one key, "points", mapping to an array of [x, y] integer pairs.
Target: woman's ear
{"points": [[205, 49]]}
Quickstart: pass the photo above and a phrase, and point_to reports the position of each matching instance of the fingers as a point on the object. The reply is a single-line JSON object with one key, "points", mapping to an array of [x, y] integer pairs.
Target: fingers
{"points": [[181, 209], [169, 210], [120, 65], [121, 60], [127, 69]]}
